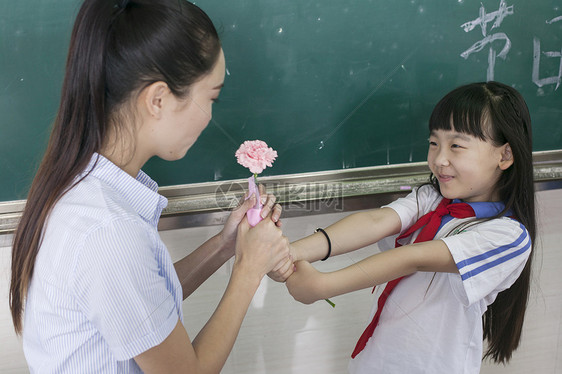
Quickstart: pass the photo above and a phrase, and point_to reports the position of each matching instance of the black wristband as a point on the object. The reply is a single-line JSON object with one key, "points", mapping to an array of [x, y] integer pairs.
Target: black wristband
{"points": [[329, 243]]}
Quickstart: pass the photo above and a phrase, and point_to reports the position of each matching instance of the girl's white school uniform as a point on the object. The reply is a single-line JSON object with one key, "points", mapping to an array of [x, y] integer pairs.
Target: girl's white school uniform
{"points": [[104, 288], [432, 322]]}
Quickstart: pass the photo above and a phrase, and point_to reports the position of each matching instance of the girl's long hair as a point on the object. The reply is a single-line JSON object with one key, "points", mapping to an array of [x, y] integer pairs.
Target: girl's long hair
{"points": [[497, 113], [117, 48]]}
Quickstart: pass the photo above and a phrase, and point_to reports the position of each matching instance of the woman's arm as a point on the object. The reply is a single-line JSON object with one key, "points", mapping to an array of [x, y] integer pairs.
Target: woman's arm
{"points": [[198, 266], [308, 285], [258, 251]]}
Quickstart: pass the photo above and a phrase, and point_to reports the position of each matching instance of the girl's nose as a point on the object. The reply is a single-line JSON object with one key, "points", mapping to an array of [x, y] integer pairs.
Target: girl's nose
{"points": [[442, 157]]}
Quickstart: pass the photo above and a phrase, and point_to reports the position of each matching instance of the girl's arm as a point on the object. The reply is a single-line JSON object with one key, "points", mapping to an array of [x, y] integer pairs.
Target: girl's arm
{"points": [[198, 266], [308, 285], [350, 233], [257, 252]]}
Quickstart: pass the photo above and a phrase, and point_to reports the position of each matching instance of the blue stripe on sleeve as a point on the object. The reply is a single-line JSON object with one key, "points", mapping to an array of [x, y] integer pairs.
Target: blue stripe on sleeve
{"points": [[500, 260], [494, 251]]}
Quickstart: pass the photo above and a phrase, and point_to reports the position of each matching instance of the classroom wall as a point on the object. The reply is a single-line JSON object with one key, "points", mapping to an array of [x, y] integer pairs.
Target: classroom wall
{"points": [[281, 336]]}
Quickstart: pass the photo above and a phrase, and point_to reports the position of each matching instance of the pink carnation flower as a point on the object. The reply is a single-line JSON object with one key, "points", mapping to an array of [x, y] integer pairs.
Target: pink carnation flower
{"points": [[255, 155]]}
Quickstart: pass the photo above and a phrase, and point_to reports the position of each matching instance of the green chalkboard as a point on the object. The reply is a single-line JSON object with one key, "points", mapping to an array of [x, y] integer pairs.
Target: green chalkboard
{"points": [[329, 84]]}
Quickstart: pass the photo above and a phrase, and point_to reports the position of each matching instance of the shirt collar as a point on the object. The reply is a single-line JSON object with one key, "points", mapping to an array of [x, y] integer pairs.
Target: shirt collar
{"points": [[140, 192], [486, 209]]}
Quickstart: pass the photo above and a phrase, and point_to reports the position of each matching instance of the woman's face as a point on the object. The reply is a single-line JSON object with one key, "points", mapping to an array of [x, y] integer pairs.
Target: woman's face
{"points": [[186, 118]]}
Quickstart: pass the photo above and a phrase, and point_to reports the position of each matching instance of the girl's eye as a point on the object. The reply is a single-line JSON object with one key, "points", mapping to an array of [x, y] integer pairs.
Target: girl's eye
{"points": [[432, 143], [455, 146]]}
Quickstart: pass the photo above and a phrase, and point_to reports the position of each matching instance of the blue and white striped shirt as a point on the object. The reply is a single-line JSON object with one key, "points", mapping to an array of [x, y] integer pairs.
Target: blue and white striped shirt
{"points": [[104, 288]]}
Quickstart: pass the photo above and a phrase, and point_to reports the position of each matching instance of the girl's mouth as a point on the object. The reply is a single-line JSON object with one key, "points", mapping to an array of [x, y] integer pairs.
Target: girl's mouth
{"points": [[444, 178]]}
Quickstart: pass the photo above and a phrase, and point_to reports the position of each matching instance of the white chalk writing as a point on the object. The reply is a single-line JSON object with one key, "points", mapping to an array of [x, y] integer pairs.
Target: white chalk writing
{"points": [[554, 79], [484, 18]]}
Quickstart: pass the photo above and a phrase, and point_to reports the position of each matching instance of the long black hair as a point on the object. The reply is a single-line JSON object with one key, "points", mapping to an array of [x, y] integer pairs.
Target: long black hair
{"points": [[497, 113], [117, 48]]}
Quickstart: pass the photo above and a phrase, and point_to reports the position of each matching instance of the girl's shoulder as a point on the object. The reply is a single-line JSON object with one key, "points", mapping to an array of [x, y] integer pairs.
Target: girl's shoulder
{"points": [[420, 201], [502, 228], [490, 256], [427, 195]]}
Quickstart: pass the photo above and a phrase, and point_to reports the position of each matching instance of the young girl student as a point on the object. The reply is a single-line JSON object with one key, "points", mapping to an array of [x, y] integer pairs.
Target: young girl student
{"points": [[93, 287], [457, 257]]}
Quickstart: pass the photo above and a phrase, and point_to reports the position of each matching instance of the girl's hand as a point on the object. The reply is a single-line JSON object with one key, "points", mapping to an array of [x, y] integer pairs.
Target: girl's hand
{"points": [[285, 268], [260, 249], [304, 284], [229, 231]]}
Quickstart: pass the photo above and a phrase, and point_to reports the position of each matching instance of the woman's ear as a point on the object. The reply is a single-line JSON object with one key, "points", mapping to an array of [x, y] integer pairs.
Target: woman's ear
{"points": [[153, 98], [506, 157]]}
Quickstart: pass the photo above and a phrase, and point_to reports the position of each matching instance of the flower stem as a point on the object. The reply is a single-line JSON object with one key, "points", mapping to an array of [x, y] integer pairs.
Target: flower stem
{"points": [[330, 302]]}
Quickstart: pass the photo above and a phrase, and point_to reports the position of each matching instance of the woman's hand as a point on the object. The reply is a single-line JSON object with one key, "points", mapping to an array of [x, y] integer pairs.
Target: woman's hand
{"points": [[230, 229], [305, 284], [260, 249]]}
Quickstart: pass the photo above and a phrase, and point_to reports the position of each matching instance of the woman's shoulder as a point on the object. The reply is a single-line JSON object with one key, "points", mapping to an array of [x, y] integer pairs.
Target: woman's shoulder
{"points": [[92, 219], [77, 222], [91, 202]]}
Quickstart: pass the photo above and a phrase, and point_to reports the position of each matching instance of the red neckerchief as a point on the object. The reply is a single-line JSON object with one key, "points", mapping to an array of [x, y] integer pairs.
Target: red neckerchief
{"points": [[430, 223]]}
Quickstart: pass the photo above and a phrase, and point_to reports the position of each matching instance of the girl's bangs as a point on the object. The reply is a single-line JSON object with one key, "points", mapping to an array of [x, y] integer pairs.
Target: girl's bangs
{"points": [[463, 110]]}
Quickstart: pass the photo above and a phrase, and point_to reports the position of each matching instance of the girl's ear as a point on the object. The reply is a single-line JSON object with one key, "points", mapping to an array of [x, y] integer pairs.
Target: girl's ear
{"points": [[153, 98], [507, 157]]}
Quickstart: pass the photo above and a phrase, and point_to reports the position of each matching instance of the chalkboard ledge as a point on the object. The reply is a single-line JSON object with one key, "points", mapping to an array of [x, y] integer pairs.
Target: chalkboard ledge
{"points": [[204, 204]]}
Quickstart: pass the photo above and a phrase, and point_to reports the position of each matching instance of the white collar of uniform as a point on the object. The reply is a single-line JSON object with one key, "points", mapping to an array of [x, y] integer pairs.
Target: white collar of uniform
{"points": [[140, 192]]}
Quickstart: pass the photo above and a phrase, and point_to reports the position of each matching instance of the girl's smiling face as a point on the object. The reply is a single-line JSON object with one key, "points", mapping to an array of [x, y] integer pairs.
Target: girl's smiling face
{"points": [[466, 167]]}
